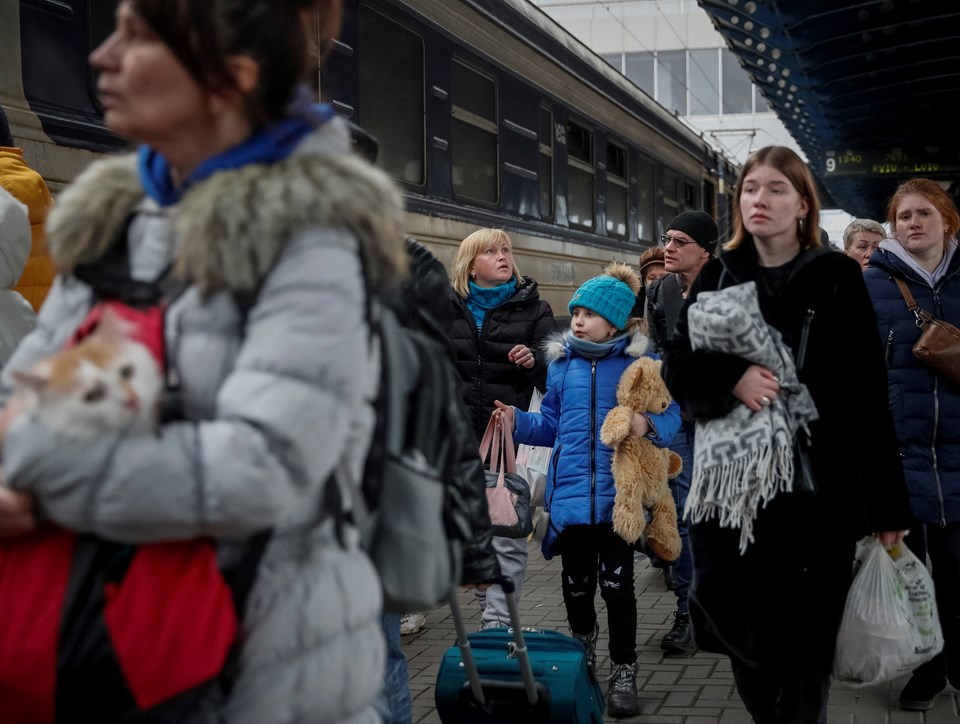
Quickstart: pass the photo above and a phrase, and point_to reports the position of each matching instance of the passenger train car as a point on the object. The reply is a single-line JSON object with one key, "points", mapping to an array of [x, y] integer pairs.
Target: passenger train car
{"points": [[486, 112]]}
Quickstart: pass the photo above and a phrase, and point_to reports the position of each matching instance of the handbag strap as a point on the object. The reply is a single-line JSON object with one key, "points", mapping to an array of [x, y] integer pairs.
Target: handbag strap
{"points": [[487, 440], [907, 296], [509, 452], [923, 316]]}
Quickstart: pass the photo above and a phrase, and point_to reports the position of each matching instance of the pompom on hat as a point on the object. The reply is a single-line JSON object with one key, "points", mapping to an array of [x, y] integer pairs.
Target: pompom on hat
{"points": [[611, 295], [699, 226]]}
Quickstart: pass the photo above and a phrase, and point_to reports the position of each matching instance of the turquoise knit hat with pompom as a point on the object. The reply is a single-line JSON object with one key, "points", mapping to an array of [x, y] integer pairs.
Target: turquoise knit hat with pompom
{"points": [[612, 295]]}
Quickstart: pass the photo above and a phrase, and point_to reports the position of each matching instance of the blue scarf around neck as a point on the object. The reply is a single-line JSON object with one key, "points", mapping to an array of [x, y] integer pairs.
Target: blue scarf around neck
{"points": [[595, 350], [267, 146], [480, 299]]}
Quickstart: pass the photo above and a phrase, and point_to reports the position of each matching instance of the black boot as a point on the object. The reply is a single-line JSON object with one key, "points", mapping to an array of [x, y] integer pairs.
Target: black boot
{"points": [[622, 695], [669, 579], [589, 642], [680, 638], [920, 692]]}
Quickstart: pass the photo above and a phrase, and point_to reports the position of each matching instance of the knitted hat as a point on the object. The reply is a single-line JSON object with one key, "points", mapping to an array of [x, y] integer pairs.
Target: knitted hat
{"points": [[611, 295], [699, 226], [653, 255]]}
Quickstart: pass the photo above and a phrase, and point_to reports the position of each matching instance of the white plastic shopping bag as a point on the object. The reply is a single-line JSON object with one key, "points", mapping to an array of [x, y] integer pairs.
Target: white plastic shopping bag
{"points": [[890, 623], [532, 461]]}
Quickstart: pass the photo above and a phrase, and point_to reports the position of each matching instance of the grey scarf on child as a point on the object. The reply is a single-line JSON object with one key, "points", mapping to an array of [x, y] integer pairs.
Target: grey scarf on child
{"points": [[741, 461]]}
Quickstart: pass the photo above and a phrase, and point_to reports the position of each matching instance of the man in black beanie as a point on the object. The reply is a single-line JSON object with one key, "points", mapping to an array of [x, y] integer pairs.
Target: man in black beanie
{"points": [[690, 241]]}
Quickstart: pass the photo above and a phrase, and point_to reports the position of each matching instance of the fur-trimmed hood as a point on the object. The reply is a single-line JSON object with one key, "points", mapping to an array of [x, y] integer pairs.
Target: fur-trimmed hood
{"points": [[555, 346], [232, 226]]}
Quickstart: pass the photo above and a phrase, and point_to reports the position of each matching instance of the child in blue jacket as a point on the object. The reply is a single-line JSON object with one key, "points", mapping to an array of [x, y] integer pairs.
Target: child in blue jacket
{"points": [[581, 388]]}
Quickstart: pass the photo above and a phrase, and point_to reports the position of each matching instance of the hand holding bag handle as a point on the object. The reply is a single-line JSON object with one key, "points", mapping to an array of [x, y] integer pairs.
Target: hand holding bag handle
{"points": [[508, 494], [500, 499]]}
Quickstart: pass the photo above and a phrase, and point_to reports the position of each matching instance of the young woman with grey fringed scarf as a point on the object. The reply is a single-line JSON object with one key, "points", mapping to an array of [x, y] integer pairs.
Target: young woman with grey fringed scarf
{"points": [[792, 464]]}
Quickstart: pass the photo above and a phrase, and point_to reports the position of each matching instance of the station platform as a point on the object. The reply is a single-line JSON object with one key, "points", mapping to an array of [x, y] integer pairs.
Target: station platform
{"points": [[694, 689]]}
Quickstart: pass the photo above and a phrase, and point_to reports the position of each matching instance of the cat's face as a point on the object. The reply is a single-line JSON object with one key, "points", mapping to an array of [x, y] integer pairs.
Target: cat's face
{"points": [[107, 382]]}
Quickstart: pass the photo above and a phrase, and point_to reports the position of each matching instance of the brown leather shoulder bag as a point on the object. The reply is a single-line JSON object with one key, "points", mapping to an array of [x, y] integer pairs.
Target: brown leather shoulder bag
{"points": [[939, 343]]}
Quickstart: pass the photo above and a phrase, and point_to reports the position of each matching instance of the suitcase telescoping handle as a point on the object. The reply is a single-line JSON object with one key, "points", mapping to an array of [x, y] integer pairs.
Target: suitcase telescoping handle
{"points": [[520, 647]]}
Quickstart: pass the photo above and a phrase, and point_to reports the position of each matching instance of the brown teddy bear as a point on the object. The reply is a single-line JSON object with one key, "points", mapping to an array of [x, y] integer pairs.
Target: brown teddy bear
{"points": [[640, 468]]}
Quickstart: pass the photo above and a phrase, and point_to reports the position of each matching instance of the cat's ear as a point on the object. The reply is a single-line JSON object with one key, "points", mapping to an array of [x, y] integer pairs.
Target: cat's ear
{"points": [[30, 379]]}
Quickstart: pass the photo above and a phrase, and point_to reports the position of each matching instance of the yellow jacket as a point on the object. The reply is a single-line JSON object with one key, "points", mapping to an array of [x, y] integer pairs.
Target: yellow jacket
{"points": [[29, 188]]}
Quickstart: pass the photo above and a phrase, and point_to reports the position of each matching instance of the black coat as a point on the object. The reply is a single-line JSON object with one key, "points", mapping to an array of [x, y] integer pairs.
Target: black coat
{"points": [[791, 583], [424, 306], [482, 361]]}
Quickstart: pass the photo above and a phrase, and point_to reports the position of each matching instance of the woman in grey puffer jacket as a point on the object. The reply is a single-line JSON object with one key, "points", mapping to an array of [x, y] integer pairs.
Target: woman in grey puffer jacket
{"points": [[245, 192]]}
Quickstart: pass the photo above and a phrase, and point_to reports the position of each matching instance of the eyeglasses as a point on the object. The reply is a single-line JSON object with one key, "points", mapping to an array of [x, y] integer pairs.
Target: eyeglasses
{"points": [[676, 241]]}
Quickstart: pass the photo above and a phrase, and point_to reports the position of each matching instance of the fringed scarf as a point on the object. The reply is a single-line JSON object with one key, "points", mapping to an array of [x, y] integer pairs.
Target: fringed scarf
{"points": [[741, 461]]}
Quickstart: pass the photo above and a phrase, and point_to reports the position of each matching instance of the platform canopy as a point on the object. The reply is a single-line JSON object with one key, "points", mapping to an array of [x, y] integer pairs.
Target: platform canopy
{"points": [[870, 90]]}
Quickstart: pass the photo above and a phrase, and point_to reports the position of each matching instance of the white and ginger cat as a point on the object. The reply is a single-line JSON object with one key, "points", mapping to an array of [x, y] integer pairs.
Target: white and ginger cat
{"points": [[106, 382]]}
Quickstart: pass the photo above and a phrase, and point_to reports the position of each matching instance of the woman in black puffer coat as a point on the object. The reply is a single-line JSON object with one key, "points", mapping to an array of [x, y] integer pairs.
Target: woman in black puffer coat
{"points": [[500, 323]]}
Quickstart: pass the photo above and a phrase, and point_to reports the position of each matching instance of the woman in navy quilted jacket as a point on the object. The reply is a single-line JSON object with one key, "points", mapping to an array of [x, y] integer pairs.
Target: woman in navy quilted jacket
{"points": [[925, 406]]}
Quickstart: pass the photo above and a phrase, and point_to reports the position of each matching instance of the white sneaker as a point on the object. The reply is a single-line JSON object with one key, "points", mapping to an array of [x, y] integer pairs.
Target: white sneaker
{"points": [[411, 623]]}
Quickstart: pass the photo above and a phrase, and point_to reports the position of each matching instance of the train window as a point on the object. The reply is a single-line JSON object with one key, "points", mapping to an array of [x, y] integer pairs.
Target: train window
{"points": [[669, 182], [581, 191], [391, 100], [690, 196], [546, 164], [103, 19], [709, 198], [616, 190], [645, 201], [474, 142]]}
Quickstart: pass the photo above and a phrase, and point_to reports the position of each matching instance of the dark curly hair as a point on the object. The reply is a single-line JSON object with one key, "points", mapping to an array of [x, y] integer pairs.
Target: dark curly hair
{"points": [[282, 36]]}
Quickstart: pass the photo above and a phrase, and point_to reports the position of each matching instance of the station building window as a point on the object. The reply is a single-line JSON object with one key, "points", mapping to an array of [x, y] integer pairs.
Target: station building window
{"points": [[640, 69], [617, 188], [737, 89], [391, 96], [715, 85], [545, 176], [474, 142], [672, 80], [704, 82]]}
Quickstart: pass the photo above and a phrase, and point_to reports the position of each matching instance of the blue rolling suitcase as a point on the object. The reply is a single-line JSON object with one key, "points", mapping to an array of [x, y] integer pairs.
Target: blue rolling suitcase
{"points": [[516, 675]]}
